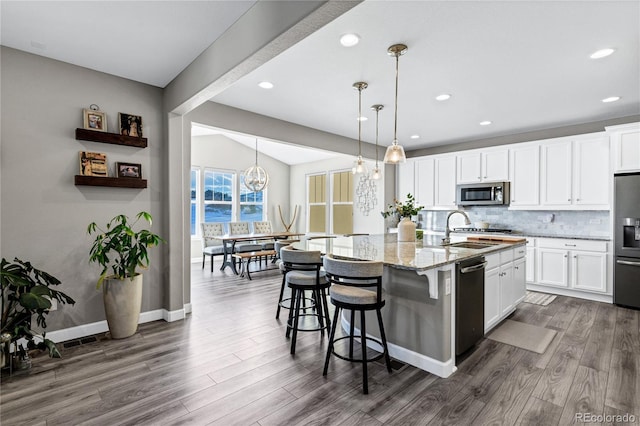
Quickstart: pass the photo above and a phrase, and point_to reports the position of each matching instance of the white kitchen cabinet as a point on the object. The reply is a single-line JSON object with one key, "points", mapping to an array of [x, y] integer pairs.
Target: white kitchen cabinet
{"points": [[405, 179], [530, 274], [573, 264], [445, 181], [486, 166], [625, 144], [491, 298], [591, 176], [589, 271], [504, 284], [556, 173], [524, 168], [575, 173], [424, 181]]}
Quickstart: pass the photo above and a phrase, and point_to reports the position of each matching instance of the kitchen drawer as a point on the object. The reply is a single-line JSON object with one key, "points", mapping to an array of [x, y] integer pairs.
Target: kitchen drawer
{"points": [[493, 261], [519, 252], [506, 256], [566, 244]]}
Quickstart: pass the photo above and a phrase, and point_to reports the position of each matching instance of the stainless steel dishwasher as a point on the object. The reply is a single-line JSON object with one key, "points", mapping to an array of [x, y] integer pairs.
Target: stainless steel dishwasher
{"points": [[469, 303]]}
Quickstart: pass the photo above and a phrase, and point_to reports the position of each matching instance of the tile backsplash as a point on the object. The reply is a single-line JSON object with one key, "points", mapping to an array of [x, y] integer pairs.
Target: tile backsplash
{"points": [[587, 223]]}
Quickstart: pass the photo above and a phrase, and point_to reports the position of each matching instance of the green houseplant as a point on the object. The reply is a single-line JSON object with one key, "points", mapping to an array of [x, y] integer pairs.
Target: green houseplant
{"points": [[27, 292], [406, 209], [122, 251]]}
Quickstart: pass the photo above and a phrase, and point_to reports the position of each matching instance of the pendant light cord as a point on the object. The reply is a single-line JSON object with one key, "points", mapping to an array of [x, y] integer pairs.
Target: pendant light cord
{"points": [[359, 121], [395, 125]]}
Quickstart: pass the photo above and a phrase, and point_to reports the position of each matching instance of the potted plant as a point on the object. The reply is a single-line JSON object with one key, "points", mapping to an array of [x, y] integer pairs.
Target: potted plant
{"points": [[26, 292], [406, 228], [121, 251]]}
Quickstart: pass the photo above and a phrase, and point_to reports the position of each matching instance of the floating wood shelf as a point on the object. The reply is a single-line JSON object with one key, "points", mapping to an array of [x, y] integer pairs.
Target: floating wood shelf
{"points": [[113, 138], [110, 181]]}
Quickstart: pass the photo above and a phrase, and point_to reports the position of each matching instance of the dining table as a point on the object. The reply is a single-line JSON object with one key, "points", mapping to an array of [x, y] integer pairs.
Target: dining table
{"points": [[229, 242]]}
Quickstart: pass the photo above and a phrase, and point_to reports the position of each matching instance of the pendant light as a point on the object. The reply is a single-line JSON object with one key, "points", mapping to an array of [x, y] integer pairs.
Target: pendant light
{"points": [[255, 177], [359, 166], [395, 152], [375, 174]]}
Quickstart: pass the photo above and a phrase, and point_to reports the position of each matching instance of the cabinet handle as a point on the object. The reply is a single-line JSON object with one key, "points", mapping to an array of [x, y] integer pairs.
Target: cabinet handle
{"points": [[575, 257], [484, 177], [565, 256], [577, 199], [570, 245], [569, 199]]}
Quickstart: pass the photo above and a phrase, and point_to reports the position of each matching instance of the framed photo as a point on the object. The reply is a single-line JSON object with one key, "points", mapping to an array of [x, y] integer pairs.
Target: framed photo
{"points": [[93, 164], [130, 125], [94, 120], [129, 170]]}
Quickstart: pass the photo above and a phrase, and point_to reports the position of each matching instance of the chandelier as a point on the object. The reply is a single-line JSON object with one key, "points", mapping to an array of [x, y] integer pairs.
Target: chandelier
{"points": [[375, 174], [255, 177], [359, 165], [395, 152]]}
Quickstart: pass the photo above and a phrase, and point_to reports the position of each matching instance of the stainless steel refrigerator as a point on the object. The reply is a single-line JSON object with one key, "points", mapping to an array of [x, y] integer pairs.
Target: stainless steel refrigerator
{"points": [[626, 286]]}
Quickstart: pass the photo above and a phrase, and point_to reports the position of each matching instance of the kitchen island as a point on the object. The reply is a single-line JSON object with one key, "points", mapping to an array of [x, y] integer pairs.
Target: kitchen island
{"points": [[419, 286]]}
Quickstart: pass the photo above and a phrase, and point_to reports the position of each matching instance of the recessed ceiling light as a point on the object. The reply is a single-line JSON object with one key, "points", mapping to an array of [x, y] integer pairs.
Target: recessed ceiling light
{"points": [[443, 97], [611, 99], [362, 118], [485, 123], [266, 85], [415, 136], [602, 53], [349, 40]]}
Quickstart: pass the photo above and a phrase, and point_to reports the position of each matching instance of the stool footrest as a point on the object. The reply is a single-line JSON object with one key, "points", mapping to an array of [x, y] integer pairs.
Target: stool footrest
{"points": [[346, 358]]}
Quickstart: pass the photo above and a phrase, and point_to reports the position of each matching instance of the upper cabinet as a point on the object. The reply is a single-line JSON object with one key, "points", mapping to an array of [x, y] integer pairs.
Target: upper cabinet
{"points": [[424, 178], [487, 166], [575, 173], [625, 144], [445, 182], [524, 168], [405, 176]]}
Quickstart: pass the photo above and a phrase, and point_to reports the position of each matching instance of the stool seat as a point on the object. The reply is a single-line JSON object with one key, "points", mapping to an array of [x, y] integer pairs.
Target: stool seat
{"points": [[306, 279], [352, 295]]}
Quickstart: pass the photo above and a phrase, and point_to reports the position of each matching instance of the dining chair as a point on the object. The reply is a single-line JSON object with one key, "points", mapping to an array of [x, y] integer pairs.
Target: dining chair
{"points": [[264, 228], [211, 245]]}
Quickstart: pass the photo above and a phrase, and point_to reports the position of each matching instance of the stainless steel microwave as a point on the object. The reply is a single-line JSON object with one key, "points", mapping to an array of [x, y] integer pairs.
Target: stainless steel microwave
{"points": [[483, 194]]}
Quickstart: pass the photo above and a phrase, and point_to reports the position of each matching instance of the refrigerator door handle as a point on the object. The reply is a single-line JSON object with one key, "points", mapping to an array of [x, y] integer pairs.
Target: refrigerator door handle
{"points": [[626, 262]]}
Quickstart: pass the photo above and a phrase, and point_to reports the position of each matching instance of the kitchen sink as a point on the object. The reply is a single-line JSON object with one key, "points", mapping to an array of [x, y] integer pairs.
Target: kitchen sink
{"points": [[472, 245]]}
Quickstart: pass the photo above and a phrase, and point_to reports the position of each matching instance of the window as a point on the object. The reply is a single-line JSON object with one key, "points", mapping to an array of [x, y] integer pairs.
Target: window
{"points": [[251, 204], [317, 204], [342, 203], [218, 196], [195, 214]]}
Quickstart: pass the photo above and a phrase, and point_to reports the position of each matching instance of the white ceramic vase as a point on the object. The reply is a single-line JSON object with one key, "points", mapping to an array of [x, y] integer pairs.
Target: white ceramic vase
{"points": [[406, 230], [122, 304]]}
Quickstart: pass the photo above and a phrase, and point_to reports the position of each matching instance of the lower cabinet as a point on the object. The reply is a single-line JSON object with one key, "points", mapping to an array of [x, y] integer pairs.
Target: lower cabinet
{"points": [[572, 264], [504, 285]]}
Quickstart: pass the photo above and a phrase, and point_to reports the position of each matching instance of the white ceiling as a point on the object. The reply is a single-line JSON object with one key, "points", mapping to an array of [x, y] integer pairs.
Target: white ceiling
{"points": [[523, 65]]}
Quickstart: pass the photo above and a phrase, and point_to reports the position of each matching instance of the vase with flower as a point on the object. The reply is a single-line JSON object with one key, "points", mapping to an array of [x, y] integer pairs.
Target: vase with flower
{"points": [[404, 210]]}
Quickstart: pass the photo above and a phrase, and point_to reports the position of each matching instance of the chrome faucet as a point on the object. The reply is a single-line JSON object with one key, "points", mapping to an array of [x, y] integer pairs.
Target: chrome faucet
{"points": [[447, 231]]}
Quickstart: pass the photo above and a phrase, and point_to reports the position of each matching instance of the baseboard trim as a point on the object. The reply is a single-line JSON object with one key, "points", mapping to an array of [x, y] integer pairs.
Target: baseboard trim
{"points": [[188, 308], [98, 327]]}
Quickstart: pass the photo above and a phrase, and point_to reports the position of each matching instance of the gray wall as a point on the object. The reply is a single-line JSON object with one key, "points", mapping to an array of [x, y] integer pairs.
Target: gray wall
{"points": [[44, 215]]}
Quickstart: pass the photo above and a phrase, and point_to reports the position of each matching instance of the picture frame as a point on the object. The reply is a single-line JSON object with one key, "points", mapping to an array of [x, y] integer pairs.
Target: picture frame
{"points": [[129, 170], [93, 164], [130, 125], [94, 120]]}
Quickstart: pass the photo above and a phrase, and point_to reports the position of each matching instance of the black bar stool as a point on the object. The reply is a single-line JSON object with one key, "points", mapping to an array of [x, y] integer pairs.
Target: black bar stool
{"points": [[356, 286], [283, 302], [303, 273]]}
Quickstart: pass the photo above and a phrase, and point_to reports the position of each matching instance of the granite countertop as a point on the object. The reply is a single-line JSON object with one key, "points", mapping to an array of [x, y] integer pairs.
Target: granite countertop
{"points": [[419, 256]]}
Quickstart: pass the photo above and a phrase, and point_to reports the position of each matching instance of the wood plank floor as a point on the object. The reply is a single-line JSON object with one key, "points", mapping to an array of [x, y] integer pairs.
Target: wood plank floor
{"points": [[228, 363]]}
